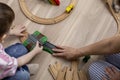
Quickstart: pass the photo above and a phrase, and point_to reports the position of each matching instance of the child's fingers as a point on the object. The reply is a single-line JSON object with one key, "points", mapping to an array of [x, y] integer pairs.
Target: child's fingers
{"points": [[20, 26], [23, 29], [23, 26], [37, 43], [41, 47]]}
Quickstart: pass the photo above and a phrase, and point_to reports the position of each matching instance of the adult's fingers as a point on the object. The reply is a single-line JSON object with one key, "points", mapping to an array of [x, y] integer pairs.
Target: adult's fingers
{"points": [[58, 50], [109, 71], [104, 78], [58, 54], [59, 47], [114, 70]]}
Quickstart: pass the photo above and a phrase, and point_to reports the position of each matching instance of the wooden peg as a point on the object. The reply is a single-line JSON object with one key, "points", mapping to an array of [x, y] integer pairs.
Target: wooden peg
{"points": [[61, 74], [54, 69], [69, 74], [75, 69], [82, 75]]}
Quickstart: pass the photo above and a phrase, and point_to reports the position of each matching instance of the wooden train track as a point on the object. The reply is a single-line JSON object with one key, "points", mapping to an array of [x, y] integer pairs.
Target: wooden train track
{"points": [[114, 14], [46, 21], [59, 72]]}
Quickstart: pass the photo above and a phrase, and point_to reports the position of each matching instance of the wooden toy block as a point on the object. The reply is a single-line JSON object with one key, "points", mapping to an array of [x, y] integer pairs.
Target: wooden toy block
{"points": [[82, 75], [61, 74], [69, 74], [54, 69], [75, 70], [57, 2], [52, 2]]}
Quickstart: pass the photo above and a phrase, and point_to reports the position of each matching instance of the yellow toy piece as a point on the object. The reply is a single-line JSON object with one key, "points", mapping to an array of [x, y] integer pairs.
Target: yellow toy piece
{"points": [[69, 8]]}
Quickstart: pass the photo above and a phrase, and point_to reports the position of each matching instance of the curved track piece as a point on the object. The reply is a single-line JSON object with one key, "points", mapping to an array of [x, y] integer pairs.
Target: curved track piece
{"points": [[114, 14], [39, 20]]}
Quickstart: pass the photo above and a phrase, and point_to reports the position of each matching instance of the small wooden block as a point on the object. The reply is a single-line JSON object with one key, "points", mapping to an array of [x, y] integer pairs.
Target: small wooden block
{"points": [[82, 75], [54, 69], [61, 74], [75, 65], [75, 70], [69, 74]]}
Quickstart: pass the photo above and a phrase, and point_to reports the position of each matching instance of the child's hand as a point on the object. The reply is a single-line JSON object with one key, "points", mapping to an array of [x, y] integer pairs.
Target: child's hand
{"points": [[17, 31], [112, 73], [37, 48], [66, 52]]}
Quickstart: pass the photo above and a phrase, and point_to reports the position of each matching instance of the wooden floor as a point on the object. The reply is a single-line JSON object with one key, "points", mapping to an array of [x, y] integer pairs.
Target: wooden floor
{"points": [[89, 22]]}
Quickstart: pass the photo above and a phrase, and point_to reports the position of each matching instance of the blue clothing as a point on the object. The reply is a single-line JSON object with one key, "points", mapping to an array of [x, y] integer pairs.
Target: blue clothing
{"points": [[97, 69], [16, 51]]}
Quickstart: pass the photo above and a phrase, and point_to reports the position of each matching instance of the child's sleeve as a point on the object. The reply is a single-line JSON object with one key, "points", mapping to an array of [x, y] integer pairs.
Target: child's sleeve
{"points": [[8, 65]]}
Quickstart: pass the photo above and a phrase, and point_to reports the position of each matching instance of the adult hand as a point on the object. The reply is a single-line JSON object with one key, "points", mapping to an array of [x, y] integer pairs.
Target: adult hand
{"points": [[66, 52], [112, 73], [17, 31]]}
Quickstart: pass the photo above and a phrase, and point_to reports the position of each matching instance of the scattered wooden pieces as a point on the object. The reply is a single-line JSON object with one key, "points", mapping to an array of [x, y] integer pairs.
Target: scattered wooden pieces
{"points": [[54, 69], [67, 73]]}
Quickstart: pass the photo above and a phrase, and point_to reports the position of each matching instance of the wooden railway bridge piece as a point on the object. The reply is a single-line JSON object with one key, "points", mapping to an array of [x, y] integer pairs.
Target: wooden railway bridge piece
{"points": [[114, 14], [47, 21]]}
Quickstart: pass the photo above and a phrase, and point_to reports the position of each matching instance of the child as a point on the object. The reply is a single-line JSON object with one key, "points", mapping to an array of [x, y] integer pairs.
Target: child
{"points": [[14, 59]]}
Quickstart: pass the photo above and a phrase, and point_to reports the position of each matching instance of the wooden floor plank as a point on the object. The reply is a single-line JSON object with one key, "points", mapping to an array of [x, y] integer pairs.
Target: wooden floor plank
{"points": [[89, 22]]}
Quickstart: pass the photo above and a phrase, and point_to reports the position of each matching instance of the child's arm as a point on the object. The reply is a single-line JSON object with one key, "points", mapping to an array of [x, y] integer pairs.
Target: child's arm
{"points": [[27, 58], [17, 31]]}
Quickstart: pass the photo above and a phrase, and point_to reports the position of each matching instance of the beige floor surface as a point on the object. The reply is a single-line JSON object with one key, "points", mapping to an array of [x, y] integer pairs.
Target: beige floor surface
{"points": [[89, 22]]}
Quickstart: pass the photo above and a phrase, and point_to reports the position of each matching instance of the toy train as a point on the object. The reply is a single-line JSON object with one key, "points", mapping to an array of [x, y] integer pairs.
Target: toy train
{"points": [[54, 2], [57, 2], [30, 42], [69, 8]]}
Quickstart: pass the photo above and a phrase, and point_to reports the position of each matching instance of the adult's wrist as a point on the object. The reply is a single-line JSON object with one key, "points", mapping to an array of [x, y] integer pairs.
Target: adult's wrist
{"points": [[80, 52]]}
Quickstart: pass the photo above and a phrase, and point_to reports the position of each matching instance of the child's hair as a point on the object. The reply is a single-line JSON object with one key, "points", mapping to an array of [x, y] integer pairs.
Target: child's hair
{"points": [[6, 18]]}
